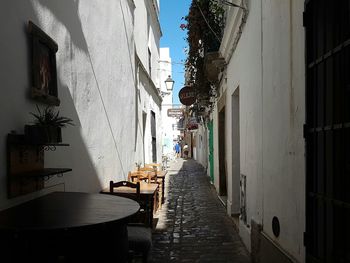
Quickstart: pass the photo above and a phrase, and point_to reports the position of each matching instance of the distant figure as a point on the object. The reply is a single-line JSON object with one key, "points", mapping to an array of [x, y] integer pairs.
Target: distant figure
{"points": [[186, 151], [177, 149]]}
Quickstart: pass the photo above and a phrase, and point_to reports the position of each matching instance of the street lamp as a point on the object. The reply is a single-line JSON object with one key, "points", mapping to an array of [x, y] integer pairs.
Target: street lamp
{"points": [[169, 83]]}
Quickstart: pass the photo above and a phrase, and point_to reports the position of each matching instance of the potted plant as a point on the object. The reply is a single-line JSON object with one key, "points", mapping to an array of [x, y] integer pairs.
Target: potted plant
{"points": [[138, 165], [47, 126]]}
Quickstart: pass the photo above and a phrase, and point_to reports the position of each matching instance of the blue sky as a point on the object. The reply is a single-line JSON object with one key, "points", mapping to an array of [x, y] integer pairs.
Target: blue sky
{"points": [[171, 12]]}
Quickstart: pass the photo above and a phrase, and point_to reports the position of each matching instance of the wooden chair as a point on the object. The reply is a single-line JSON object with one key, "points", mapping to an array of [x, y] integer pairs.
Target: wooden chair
{"points": [[147, 169], [155, 166], [152, 173], [154, 169], [135, 195], [139, 176], [139, 235], [113, 185]]}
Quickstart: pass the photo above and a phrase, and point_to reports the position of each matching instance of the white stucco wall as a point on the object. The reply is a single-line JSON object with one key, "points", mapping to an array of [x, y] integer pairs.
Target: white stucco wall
{"points": [[147, 34], [142, 27], [148, 101], [201, 149], [268, 68], [96, 86], [243, 72], [283, 119]]}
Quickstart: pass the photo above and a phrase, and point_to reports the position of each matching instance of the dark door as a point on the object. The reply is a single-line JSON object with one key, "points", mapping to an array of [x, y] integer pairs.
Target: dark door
{"points": [[327, 130], [154, 137], [211, 150], [222, 155]]}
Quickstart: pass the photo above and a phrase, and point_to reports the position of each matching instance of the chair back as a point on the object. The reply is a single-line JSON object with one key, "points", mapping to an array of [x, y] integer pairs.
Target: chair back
{"points": [[136, 185], [155, 166], [146, 169], [152, 171], [139, 176]]}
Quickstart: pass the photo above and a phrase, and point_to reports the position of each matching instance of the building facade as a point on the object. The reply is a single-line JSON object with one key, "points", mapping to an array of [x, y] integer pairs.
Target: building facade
{"points": [[107, 83], [259, 165], [280, 128]]}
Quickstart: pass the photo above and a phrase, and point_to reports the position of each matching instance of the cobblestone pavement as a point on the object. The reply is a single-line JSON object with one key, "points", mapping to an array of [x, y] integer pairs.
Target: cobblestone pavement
{"points": [[192, 223]]}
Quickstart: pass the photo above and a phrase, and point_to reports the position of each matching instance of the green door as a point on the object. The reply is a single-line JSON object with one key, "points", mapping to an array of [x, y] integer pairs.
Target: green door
{"points": [[211, 150]]}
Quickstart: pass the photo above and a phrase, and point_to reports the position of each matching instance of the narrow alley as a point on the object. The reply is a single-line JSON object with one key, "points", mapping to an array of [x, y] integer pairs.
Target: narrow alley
{"points": [[192, 224], [251, 96]]}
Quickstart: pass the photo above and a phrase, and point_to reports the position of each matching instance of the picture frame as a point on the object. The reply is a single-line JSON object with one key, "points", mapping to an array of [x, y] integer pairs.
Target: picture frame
{"points": [[44, 71]]}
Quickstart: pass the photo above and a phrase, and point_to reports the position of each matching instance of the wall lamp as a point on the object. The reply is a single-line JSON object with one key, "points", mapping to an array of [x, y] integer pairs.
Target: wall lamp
{"points": [[169, 83]]}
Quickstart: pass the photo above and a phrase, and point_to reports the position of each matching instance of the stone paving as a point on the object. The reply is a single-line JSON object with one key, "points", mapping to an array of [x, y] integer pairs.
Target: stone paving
{"points": [[192, 223]]}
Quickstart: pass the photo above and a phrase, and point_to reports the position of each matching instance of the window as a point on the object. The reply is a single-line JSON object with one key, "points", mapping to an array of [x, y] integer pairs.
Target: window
{"points": [[149, 62]]}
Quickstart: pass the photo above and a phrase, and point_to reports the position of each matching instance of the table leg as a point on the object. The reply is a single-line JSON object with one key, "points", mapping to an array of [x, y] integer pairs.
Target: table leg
{"points": [[163, 184], [151, 210]]}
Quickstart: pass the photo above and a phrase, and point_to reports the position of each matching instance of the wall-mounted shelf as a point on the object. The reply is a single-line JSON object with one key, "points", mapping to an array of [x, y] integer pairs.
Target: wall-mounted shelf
{"points": [[25, 165], [44, 173], [21, 139]]}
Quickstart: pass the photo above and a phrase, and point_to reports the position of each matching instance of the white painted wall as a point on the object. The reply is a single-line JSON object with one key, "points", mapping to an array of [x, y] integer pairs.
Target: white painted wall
{"points": [[142, 27], [201, 149], [283, 119], [268, 68], [147, 35], [244, 71], [147, 100], [96, 86]]}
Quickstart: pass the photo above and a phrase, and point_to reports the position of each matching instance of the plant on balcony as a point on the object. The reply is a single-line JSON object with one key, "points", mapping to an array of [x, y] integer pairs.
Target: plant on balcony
{"points": [[205, 23]]}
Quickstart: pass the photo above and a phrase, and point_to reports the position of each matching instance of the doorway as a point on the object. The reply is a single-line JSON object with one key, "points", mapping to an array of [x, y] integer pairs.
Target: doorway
{"points": [[327, 131], [144, 119], [236, 170], [222, 157], [154, 137], [211, 151]]}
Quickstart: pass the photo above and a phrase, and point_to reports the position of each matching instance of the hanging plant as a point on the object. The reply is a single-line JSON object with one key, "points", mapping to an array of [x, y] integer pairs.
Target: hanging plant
{"points": [[205, 23]]}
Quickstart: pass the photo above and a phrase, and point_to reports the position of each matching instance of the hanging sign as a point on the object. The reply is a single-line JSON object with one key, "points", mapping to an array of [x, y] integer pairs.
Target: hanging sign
{"points": [[177, 113], [192, 127], [192, 123], [187, 96]]}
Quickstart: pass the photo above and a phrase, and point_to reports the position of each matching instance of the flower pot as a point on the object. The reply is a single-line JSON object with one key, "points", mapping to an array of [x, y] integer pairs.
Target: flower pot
{"points": [[42, 134]]}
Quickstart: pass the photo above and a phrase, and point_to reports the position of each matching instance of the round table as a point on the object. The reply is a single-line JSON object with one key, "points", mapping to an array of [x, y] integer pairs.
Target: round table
{"points": [[80, 225], [64, 210]]}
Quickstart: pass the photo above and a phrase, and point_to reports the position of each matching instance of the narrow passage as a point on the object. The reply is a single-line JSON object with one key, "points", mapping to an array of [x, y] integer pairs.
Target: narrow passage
{"points": [[192, 224]]}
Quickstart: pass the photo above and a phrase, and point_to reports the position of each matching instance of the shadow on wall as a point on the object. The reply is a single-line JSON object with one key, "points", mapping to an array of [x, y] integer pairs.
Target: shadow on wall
{"points": [[57, 18], [14, 51], [66, 12], [84, 177], [70, 18]]}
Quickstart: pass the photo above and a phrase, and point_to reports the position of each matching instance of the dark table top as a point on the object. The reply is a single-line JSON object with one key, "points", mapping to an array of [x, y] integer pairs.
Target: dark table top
{"points": [[64, 210]]}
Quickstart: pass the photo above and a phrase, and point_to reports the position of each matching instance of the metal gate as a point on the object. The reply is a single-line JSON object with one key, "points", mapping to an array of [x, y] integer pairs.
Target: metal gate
{"points": [[327, 130]]}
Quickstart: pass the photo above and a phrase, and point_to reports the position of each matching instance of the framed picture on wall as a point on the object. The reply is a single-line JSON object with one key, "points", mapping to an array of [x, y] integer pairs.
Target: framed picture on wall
{"points": [[44, 72]]}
